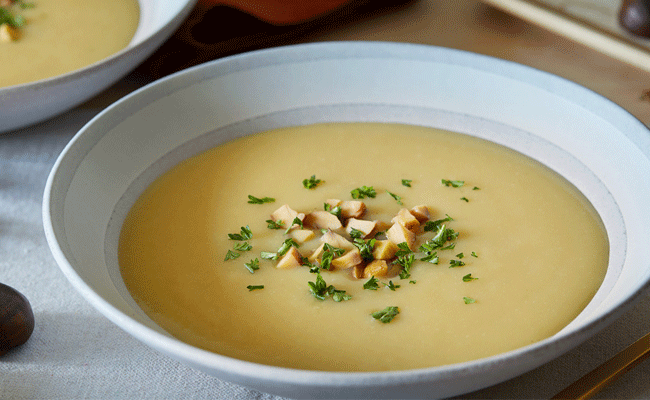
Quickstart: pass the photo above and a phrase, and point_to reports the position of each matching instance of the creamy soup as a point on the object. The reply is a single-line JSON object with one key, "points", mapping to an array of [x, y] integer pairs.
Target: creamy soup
{"points": [[61, 36], [529, 255]]}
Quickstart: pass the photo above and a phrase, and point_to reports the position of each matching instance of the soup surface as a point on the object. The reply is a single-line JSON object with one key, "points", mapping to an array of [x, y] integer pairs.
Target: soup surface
{"points": [[534, 243], [61, 36]]}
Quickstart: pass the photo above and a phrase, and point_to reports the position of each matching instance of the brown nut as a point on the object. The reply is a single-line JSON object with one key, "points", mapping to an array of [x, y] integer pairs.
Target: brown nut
{"points": [[16, 319]]}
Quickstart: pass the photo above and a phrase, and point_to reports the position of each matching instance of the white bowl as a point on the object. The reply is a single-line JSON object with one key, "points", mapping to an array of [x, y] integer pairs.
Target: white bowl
{"points": [[593, 143], [29, 103]]}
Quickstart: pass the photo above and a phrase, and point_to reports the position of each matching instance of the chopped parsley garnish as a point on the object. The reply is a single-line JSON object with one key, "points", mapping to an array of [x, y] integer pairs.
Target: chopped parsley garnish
{"points": [[329, 252], [311, 183], [266, 255], [431, 257], [254, 287], [245, 246], [407, 182], [386, 315], [274, 224], [450, 247], [371, 284], [356, 234], [253, 265], [474, 255], [333, 210], [465, 199], [12, 19], [246, 234], [435, 225], [296, 221], [413, 282], [403, 249], [231, 255], [391, 285], [469, 300], [363, 192], [460, 255], [320, 290], [397, 198], [468, 278], [450, 183], [365, 248], [455, 263], [257, 200], [442, 236], [476, 188], [286, 245], [406, 262]]}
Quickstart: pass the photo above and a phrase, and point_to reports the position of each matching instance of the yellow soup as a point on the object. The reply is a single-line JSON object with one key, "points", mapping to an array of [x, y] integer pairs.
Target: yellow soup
{"points": [[534, 243], [62, 36]]}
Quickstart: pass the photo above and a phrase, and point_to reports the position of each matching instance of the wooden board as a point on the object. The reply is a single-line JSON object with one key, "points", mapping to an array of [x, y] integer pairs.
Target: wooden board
{"points": [[593, 23]]}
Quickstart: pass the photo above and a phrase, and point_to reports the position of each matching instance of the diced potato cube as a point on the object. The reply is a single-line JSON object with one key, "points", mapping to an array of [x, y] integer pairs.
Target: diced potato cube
{"points": [[384, 250], [302, 235], [291, 259], [377, 268], [336, 240], [8, 34], [406, 219], [347, 260], [399, 234], [322, 220], [380, 226], [333, 202], [352, 209], [421, 213], [357, 271], [286, 214], [366, 227]]}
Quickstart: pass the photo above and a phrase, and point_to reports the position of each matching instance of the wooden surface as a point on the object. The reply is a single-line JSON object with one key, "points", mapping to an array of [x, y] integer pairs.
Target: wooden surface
{"points": [[477, 27]]}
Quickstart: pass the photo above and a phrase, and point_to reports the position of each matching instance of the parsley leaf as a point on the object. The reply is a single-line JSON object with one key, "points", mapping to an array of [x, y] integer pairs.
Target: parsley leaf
{"points": [[257, 287], [311, 183], [333, 210], [469, 300], [397, 198], [371, 284], [253, 265], [329, 252], [386, 315], [245, 246], [365, 248], [320, 290], [363, 192], [407, 182], [468, 278], [286, 245], [450, 183], [257, 200], [356, 234], [296, 221], [231, 255], [455, 263], [266, 255], [391, 285], [460, 255], [274, 224], [474, 255], [465, 199], [430, 226], [245, 234]]}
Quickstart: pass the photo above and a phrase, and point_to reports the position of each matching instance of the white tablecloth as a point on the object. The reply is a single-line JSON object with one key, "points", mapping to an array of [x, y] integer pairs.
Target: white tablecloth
{"points": [[75, 353]]}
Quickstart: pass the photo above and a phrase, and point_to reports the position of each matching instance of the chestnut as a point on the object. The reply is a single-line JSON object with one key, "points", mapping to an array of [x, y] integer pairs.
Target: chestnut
{"points": [[634, 16], [16, 318]]}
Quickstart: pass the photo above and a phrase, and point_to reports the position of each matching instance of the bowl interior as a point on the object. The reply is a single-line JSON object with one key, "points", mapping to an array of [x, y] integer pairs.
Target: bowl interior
{"points": [[595, 145]]}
